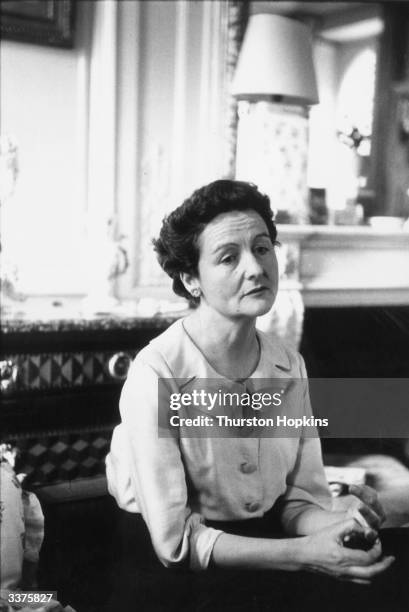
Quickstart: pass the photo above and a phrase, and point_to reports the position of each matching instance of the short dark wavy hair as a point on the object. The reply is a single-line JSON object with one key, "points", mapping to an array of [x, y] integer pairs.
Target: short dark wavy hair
{"points": [[177, 247]]}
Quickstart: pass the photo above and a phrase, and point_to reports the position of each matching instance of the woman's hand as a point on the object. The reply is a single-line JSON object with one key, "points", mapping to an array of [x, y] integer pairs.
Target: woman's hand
{"points": [[325, 552], [368, 505], [361, 503]]}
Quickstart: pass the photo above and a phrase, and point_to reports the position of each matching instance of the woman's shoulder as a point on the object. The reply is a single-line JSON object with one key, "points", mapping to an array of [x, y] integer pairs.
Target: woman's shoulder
{"points": [[280, 355], [168, 351]]}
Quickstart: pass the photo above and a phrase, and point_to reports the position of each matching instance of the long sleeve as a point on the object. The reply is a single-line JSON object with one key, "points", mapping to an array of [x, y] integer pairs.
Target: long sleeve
{"points": [[306, 483], [157, 475]]}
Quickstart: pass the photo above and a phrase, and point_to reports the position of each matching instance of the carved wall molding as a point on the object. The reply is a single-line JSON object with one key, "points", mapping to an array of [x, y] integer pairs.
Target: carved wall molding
{"points": [[181, 139], [237, 17], [346, 266]]}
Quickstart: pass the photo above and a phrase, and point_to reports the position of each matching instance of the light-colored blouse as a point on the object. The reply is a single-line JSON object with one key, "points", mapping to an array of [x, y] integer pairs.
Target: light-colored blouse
{"points": [[177, 482]]}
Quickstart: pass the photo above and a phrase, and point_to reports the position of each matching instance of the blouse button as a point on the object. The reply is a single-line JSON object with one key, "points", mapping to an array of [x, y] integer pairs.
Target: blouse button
{"points": [[247, 468], [252, 506]]}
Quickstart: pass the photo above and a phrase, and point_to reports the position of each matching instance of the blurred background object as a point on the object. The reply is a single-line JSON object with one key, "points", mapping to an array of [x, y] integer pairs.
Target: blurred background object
{"points": [[9, 292]]}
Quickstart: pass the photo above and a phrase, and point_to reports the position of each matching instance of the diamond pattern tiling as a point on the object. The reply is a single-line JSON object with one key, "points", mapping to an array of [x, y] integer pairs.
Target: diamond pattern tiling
{"points": [[66, 370], [50, 459], [33, 372], [59, 447], [62, 370], [45, 371], [48, 468], [37, 450], [90, 462], [79, 445], [77, 370], [68, 465], [55, 370], [99, 443]]}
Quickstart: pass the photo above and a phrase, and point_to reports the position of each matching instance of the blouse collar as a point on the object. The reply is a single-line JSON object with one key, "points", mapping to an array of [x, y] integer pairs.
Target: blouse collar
{"points": [[185, 358]]}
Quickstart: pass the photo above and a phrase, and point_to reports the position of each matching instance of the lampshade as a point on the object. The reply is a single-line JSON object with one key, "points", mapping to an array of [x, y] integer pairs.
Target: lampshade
{"points": [[276, 60]]}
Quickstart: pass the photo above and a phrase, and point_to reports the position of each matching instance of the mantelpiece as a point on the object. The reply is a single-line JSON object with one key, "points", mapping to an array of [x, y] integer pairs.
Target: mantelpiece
{"points": [[329, 265], [346, 266], [24, 323]]}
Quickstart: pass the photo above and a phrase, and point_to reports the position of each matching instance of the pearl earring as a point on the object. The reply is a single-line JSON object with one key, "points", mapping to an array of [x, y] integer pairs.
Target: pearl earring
{"points": [[196, 292]]}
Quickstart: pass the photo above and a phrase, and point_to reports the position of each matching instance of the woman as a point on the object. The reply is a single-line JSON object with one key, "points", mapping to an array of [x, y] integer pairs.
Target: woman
{"points": [[212, 502]]}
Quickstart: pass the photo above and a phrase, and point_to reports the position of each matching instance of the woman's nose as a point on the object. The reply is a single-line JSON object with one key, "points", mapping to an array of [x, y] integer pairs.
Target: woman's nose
{"points": [[252, 266]]}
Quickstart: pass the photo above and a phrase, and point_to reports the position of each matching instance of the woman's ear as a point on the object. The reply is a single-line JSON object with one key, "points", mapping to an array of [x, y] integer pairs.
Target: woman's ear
{"points": [[191, 283]]}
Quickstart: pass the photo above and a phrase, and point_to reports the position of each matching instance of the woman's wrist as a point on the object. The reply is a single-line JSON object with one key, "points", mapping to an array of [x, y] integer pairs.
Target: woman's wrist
{"points": [[258, 553], [302, 553], [296, 553]]}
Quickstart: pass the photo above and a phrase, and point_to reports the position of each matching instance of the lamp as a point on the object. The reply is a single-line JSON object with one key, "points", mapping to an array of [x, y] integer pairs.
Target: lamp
{"points": [[275, 84], [276, 60]]}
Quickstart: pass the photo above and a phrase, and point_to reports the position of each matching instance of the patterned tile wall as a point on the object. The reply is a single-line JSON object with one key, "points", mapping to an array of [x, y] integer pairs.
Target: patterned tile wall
{"points": [[52, 459], [62, 370]]}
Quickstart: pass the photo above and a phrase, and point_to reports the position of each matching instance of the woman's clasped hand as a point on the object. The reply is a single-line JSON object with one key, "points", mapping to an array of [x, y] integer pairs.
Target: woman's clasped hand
{"points": [[365, 506], [326, 552], [349, 549]]}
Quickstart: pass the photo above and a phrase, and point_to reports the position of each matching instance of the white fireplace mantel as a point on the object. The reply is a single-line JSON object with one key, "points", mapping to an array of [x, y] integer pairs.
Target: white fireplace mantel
{"points": [[346, 266], [326, 266]]}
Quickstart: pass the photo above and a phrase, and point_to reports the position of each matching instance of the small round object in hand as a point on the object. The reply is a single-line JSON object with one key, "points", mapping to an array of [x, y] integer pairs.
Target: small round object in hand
{"points": [[360, 541]]}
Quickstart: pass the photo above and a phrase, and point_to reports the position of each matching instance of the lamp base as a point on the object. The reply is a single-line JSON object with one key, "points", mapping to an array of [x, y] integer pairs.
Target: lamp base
{"points": [[272, 152]]}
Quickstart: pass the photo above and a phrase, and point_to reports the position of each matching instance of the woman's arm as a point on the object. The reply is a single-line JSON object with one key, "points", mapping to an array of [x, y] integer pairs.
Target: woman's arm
{"points": [[322, 552], [362, 505], [232, 551], [308, 504], [311, 519], [149, 460], [301, 516]]}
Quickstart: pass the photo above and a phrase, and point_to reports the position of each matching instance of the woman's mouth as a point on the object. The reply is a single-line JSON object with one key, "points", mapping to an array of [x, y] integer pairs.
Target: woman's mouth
{"points": [[257, 291]]}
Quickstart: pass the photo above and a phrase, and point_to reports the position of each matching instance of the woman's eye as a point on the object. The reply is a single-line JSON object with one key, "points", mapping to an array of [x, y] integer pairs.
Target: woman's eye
{"points": [[262, 250], [228, 259]]}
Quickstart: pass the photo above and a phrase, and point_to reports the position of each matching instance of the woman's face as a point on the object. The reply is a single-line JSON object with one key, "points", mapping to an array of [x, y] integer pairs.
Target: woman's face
{"points": [[237, 270]]}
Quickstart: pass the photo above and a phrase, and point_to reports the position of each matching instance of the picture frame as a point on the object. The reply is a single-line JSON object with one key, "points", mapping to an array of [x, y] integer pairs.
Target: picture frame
{"points": [[42, 22]]}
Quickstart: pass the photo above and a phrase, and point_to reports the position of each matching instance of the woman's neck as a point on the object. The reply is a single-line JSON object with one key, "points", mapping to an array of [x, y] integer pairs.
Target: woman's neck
{"points": [[229, 345]]}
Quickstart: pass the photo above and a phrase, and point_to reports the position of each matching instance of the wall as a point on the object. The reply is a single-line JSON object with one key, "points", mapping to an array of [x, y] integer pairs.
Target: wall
{"points": [[322, 117], [41, 104], [120, 128]]}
